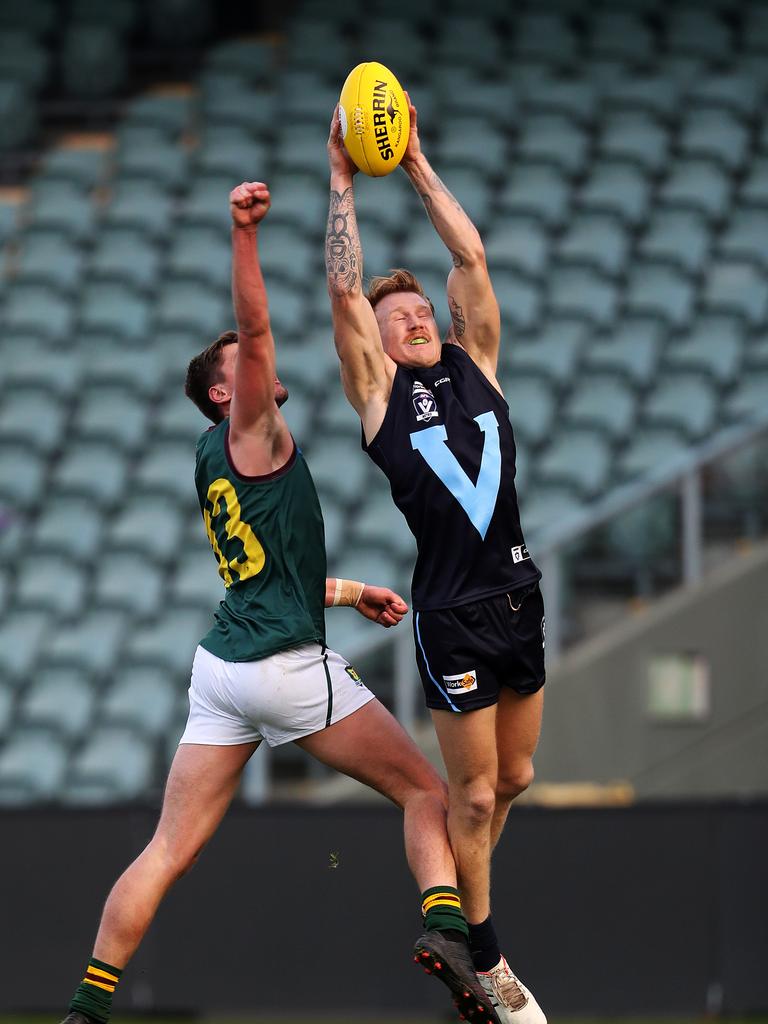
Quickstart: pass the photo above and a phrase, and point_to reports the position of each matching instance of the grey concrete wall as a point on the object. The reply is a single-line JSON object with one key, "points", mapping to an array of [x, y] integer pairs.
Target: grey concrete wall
{"points": [[597, 726]]}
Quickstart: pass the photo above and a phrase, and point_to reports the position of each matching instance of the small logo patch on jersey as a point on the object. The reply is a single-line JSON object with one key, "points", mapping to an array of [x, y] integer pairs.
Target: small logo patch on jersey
{"points": [[520, 553], [423, 402], [462, 683], [353, 674]]}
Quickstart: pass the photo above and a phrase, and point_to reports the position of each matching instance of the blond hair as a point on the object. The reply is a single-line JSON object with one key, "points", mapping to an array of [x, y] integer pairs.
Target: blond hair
{"points": [[399, 280]]}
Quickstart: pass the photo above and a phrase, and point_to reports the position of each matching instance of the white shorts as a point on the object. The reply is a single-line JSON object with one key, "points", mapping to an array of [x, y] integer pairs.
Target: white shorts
{"points": [[291, 694]]}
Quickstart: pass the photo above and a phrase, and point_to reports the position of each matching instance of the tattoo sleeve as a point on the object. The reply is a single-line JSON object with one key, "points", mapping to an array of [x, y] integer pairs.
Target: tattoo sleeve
{"points": [[457, 317], [343, 253]]}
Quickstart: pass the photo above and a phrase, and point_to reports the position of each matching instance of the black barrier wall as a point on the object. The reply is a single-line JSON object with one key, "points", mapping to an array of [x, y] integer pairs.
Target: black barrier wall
{"points": [[643, 910]]}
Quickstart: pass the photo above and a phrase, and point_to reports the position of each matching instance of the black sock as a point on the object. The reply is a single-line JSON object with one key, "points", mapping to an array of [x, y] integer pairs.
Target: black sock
{"points": [[483, 945]]}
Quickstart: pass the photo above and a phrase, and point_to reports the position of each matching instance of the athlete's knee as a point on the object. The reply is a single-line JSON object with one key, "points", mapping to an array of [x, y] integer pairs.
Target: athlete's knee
{"points": [[475, 801], [514, 780], [173, 860]]}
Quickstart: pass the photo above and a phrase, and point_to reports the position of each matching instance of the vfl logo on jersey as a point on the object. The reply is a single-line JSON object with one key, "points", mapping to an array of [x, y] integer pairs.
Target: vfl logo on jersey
{"points": [[423, 402], [462, 683], [479, 499], [520, 553]]}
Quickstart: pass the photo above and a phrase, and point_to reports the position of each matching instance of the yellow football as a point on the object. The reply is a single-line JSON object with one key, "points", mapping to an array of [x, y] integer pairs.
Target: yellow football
{"points": [[374, 118]]}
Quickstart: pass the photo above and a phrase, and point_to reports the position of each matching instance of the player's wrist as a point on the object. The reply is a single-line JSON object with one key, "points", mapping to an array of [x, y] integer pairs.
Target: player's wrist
{"points": [[347, 592], [341, 179]]}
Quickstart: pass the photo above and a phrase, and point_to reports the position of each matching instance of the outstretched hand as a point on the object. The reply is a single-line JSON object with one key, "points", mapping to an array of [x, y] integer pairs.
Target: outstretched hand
{"points": [[413, 149], [248, 203], [339, 159], [379, 604]]}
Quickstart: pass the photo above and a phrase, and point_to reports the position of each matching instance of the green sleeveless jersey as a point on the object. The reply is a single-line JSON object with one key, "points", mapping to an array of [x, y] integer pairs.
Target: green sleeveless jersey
{"points": [[267, 535]]}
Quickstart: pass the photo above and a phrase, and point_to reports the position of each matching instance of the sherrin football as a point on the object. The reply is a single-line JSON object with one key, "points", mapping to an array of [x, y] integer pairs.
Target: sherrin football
{"points": [[374, 118]]}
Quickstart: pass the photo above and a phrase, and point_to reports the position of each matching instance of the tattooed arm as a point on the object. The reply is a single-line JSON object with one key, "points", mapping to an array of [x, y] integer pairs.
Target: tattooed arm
{"points": [[471, 300], [365, 371]]}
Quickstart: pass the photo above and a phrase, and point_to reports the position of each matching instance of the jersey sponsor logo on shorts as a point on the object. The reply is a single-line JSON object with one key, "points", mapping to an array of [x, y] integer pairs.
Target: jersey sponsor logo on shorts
{"points": [[520, 553], [462, 683], [353, 674], [423, 402]]}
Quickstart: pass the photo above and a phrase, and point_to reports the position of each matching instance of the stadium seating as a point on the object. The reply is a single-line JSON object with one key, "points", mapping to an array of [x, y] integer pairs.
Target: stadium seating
{"points": [[615, 159]]}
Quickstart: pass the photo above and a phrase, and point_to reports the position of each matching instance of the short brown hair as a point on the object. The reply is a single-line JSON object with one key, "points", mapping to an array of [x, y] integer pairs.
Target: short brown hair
{"points": [[202, 373], [398, 280]]}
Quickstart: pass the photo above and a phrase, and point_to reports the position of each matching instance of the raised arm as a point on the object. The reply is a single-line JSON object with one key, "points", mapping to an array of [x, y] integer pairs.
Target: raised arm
{"points": [[365, 373], [258, 436], [471, 300]]}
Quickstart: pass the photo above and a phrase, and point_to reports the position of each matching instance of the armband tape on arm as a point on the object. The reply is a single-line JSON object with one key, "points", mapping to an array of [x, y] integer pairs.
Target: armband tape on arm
{"points": [[347, 592]]}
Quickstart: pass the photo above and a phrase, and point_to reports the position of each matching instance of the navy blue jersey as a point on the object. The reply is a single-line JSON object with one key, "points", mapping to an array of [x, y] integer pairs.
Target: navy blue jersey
{"points": [[447, 448]]}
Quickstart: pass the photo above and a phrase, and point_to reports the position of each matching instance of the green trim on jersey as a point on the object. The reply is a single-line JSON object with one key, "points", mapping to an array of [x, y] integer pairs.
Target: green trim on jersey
{"points": [[267, 535]]}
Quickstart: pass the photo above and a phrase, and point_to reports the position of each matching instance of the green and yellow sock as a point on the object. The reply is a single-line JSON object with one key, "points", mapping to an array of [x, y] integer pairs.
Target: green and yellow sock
{"points": [[441, 907], [94, 993]]}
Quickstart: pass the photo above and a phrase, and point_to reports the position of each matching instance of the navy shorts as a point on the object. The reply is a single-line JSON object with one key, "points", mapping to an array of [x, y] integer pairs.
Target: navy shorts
{"points": [[466, 654]]}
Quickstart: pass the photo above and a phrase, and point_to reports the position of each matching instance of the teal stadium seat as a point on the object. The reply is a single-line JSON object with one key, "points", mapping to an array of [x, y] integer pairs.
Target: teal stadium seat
{"points": [[18, 115], [33, 416], [174, 22], [632, 347], [714, 344], [90, 645], [251, 109], [310, 96], [754, 189], [201, 254], [167, 109], [520, 243], [552, 352], [746, 236], [112, 413], [236, 159], [620, 34], [532, 404], [207, 203], [178, 419], [287, 311], [196, 582], [649, 94], [388, 202], [302, 151], [163, 164], [140, 206], [650, 450], [472, 144], [680, 236], [471, 188], [169, 641], [750, 398], [9, 216], [114, 765], [6, 709], [83, 166], [187, 305], [574, 98], [635, 137], [52, 260], [108, 363], [644, 537], [287, 253], [539, 189], [494, 100], [755, 30], [68, 526], [29, 363], [54, 584], [381, 526], [141, 698], [737, 287], [66, 209], [542, 508], [125, 581], [93, 61], [468, 40], [21, 635], [606, 403], [126, 256], [714, 135], [116, 309], [93, 470], [32, 766], [656, 289], [616, 187], [697, 185], [582, 292], [60, 700], [554, 139], [576, 459], [167, 468], [22, 476], [147, 525], [691, 31], [299, 200], [520, 301], [336, 417], [595, 240], [23, 59], [335, 473], [739, 94], [687, 402], [545, 36], [250, 59]]}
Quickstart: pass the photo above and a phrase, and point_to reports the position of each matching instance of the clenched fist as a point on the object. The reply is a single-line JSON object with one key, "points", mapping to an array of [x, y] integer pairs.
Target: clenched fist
{"points": [[248, 203]]}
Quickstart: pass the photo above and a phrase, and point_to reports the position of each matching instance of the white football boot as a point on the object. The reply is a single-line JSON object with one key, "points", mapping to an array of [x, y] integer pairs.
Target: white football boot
{"points": [[511, 1000]]}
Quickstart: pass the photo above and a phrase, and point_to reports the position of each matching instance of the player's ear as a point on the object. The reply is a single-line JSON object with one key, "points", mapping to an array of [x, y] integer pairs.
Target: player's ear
{"points": [[219, 393]]}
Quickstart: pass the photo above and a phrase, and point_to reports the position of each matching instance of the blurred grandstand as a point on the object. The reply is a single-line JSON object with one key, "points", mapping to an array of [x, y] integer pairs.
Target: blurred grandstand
{"points": [[615, 157]]}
